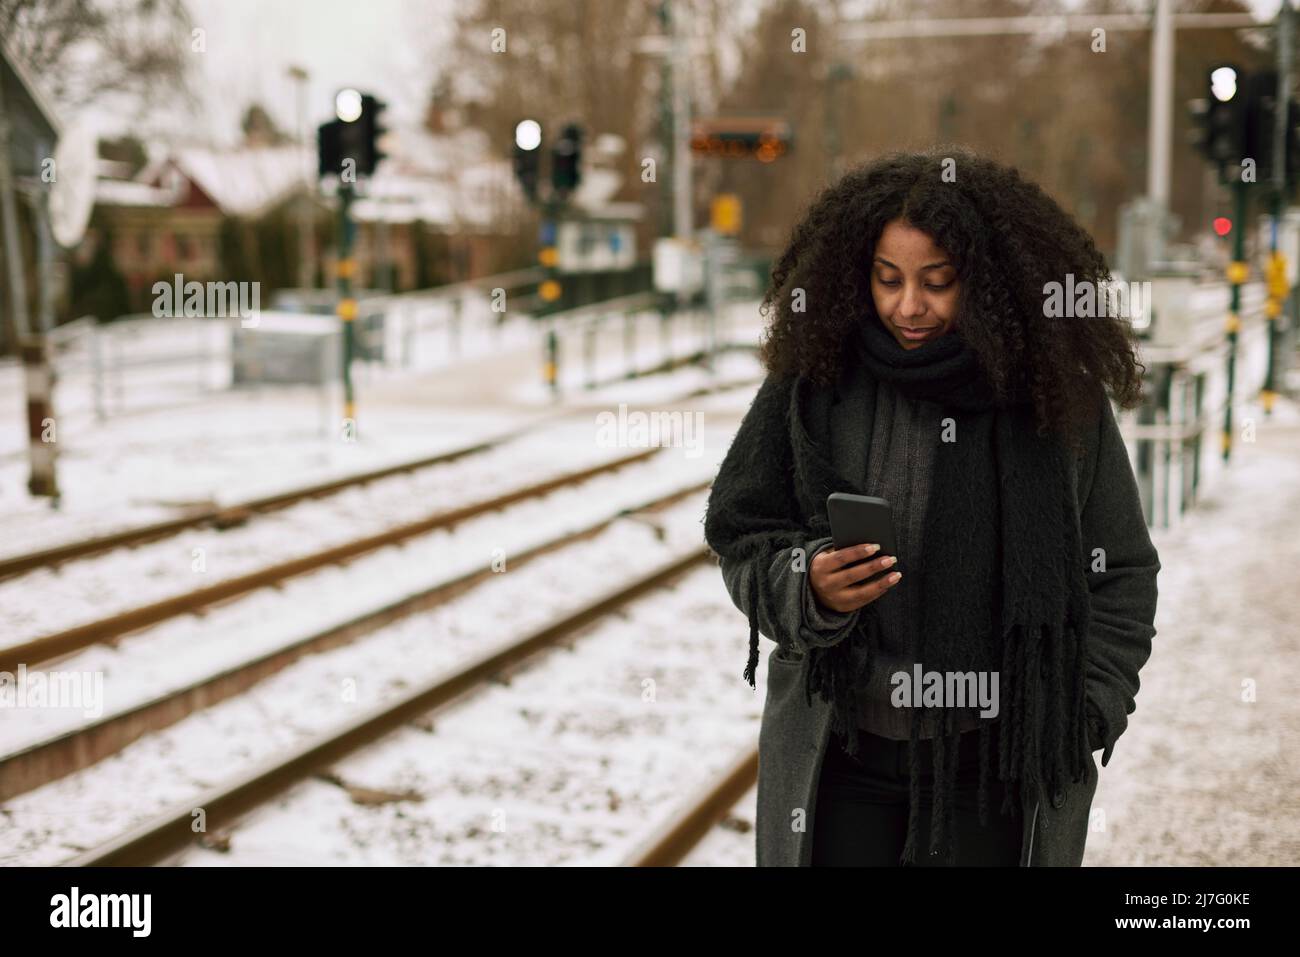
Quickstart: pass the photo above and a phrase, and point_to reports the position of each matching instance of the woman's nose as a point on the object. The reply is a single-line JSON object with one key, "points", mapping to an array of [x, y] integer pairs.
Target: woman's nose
{"points": [[912, 304]]}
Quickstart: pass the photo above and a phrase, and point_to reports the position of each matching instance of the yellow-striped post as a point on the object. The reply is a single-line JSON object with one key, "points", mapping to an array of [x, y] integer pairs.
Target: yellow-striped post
{"points": [[347, 305]]}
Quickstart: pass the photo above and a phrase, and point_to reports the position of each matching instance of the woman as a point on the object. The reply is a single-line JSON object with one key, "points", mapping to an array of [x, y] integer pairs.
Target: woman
{"points": [[911, 358]]}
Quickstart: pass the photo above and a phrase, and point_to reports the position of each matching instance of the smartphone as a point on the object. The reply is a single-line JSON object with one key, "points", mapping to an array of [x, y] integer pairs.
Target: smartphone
{"points": [[859, 520]]}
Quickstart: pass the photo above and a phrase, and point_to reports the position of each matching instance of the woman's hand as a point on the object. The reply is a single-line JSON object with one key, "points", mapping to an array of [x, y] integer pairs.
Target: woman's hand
{"points": [[840, 588]]}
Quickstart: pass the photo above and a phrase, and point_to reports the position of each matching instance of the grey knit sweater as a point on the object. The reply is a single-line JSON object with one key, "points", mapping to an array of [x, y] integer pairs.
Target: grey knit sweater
{"points": [[896, 467]]}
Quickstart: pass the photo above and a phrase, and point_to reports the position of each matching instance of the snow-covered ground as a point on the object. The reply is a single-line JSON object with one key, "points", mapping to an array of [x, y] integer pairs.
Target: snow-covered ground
{"points": [[46, 601], [576, 753], [188, 649]]}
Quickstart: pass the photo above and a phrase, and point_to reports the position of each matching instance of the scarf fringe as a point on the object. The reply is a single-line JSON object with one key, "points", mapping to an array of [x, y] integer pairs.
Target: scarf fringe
{"points": [[837, 673]]}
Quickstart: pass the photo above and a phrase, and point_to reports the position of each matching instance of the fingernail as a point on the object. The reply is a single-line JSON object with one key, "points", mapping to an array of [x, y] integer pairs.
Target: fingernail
{"points": [[890, 560], [895, 577], [871, 549]]}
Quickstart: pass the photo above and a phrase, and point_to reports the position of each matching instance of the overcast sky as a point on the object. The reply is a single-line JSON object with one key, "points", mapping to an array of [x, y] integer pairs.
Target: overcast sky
{"points": [[389, 47]]}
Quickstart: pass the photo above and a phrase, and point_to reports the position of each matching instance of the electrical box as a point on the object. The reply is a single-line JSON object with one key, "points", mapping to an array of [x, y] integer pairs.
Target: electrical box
{"points": [[678, 266]]}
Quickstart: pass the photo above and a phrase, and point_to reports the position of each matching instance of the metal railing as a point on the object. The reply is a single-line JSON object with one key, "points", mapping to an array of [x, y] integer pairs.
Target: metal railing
{"points": [[137, 362], [1172, 437]]}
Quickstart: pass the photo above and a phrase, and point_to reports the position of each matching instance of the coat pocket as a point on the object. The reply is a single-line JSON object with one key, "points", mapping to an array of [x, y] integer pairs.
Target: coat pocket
{"points": [[784, 674]]}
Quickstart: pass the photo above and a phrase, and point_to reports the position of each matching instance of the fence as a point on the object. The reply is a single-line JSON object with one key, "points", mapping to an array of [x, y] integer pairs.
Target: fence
{"points": [[1175, 439], [137, 362], [142, 362]]}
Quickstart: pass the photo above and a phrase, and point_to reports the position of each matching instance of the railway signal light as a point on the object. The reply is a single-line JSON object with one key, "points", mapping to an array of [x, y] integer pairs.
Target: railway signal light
{"points": [[566, 161], [1261, 116], [371, 131], [1221, 118], [528, 156], [352, 136], [1236, 121]]}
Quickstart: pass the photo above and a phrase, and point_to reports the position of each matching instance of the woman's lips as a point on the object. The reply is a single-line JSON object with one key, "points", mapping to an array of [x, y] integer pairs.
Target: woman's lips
{"points": [[915, 334]]}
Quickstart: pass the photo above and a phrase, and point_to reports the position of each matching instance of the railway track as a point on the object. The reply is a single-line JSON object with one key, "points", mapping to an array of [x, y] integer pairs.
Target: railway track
{"points": [[670, 843], [226, 516], [69, 640], [173, 830], [40, 763]]}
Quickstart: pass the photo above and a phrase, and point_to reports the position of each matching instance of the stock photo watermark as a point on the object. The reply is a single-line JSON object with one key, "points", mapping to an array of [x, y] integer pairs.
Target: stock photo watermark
{"points": [[946, 689], [209, 300], [75, 909], [1090, 300], [657, 429], [53, 690]]}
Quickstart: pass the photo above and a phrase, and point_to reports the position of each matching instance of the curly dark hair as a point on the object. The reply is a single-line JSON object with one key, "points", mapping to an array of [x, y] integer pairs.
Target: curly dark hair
{"points": [[1006, 238]]}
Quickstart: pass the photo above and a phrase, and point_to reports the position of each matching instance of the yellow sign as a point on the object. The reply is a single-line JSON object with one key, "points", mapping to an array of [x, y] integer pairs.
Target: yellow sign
{"points": [[1277, 285], [1233, 324], [548, 256], [725, 214], [549, 290], [1237, 273]]}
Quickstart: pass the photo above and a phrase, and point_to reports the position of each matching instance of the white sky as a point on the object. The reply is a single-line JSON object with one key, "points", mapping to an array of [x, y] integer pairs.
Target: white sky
{"points": [[389, 47]]}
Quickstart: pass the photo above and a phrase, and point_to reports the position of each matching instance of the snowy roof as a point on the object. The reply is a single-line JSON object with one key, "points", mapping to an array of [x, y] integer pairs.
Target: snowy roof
{"points": [[125, 192], [244, 182]]}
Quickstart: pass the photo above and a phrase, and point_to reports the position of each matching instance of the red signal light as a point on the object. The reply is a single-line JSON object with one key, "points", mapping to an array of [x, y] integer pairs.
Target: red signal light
{"points": [[1222, 226]]}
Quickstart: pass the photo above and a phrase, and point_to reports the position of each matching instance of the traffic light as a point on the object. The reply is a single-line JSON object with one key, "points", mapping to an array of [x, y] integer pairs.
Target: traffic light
{"points": [[1222, 118], [528, 156], [352, 136], [328, 148], [1236, 122], [566, 161], [370, 133], [1260, 108], [1261, 102]]}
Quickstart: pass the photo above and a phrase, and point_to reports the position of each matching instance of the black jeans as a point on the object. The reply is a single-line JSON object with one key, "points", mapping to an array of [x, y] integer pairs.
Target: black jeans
{"points": [[862, 807]]}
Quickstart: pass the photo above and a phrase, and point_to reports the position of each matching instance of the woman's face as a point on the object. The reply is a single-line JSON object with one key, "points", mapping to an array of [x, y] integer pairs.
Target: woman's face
{"points": [[913, 285]]}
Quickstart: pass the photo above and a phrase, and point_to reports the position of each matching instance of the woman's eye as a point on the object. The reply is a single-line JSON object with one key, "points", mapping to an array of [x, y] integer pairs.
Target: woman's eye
{"points": [[944, 286], [890, 282]]}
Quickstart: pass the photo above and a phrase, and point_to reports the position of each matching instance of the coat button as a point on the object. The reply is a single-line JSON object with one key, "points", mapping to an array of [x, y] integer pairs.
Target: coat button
{"points": [[1058, 798]]}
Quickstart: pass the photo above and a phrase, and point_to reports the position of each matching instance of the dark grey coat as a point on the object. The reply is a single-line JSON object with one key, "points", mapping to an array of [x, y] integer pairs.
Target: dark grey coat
{"points": [[793, 736]]}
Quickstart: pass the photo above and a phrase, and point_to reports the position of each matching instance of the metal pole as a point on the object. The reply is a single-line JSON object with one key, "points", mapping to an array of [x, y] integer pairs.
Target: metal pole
{"points": [[44, 247], [306, 239], [682, 207], [629, 344], [97, 366], [549, 367], [347, 307], [13, 249], [1160, 118], [1159, 130], [589, 355], [1277, 284], [1237, 273]]}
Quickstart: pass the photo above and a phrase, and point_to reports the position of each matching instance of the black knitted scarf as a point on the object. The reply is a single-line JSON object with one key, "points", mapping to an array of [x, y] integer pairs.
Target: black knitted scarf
{"points": [[1001, 580]]}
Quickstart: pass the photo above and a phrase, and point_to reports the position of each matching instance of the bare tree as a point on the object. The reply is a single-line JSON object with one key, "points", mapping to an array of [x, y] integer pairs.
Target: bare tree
{"points": [[84, 50]]}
